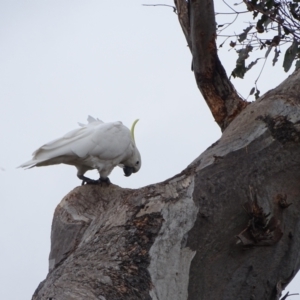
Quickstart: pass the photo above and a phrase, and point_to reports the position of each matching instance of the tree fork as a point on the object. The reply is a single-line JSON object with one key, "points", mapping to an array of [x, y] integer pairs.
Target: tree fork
{"points": [[227, 227]]}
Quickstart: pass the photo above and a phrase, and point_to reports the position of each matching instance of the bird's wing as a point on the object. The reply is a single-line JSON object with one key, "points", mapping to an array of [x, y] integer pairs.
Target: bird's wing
{"points": [[107, 141], [60, 147], [110, 140]]}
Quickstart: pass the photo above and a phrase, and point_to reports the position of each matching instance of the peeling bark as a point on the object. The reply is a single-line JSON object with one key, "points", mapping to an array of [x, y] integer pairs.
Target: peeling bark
{"points": [[227, 227], [197, 19]]}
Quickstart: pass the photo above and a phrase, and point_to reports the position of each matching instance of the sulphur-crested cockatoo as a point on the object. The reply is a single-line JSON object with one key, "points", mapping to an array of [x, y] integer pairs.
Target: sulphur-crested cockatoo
{"points": [[97, 145]]}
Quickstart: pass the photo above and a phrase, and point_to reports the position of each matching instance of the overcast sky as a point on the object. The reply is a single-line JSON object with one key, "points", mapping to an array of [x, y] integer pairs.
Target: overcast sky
{"points": [[116, 60]]}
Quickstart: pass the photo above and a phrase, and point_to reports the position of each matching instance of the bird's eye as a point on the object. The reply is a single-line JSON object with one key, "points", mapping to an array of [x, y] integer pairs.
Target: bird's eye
{"points": [[137, 162]]}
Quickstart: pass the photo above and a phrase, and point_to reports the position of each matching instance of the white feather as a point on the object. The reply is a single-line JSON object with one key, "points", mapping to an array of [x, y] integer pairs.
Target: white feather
{"points": [[96, 145]]}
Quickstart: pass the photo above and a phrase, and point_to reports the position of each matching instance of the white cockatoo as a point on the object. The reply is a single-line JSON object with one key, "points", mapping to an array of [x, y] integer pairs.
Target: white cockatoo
{"points": [[97, 145]]}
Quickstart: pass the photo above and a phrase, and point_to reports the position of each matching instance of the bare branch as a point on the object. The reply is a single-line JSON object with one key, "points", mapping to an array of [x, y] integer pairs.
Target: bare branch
{"points": [[174, 8], [197, 19]]}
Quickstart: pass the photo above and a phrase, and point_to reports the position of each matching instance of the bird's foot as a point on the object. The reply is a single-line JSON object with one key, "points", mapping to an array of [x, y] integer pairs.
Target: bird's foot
{"points": [[104, 181], [86, 180]]}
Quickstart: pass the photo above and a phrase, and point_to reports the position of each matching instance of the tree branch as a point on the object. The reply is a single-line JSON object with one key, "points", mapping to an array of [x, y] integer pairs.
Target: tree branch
{"points": [[197, 19], [224, 228]]}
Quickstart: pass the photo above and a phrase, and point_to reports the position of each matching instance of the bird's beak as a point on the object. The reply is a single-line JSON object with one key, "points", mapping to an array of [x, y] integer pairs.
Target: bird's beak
{"points": [[128, 171]]}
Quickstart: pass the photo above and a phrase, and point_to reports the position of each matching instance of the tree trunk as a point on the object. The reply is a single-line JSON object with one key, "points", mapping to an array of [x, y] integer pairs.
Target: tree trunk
{"points": [[222, 229]]}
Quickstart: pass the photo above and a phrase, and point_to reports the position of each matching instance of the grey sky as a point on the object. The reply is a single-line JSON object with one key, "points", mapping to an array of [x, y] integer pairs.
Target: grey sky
{"points": [[63, 60]]}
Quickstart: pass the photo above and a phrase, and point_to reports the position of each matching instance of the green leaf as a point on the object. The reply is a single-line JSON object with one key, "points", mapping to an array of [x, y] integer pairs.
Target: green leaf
{"points": [[244, 53], [270, 4], [252, 91], [262, 24], [268, 51], [255, 14], [253, 63], [290, 55], [257, 94], [275, 42], [232, 44], [275, 59], [243, 35], [240, 68], [239, 71], [267, 22], [259, 26]]}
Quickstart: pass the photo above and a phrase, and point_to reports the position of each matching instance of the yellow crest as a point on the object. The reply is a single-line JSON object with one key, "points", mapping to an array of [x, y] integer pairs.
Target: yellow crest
{"points": [[132, 129]]}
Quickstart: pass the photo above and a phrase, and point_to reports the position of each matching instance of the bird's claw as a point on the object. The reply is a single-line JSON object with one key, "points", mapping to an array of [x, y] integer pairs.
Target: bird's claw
{"points": [[89, 181], [101, 181]]}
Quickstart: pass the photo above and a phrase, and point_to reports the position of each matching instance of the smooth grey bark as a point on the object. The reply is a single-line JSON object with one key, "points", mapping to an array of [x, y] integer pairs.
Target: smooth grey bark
{"points": [[222, 229]]}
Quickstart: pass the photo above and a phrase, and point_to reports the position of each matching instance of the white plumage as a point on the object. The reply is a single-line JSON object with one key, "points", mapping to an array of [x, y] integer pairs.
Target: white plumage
{"points": [[97, 145]]}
